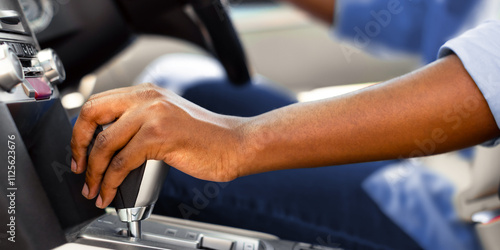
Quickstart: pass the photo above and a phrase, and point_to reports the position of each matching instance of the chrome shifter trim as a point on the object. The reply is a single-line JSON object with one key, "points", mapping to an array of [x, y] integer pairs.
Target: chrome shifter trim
{"points": [[152, 182], [134, 229], [135, 213], [133, 217]]}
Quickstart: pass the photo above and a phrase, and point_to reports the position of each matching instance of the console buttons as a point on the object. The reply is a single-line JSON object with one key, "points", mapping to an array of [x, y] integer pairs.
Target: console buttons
{"points": [[22, 49], [216, 243], [31, 49], [42, 88], [302, 246], [248, 246], [171, 232], [191, 236], [25, 49]]}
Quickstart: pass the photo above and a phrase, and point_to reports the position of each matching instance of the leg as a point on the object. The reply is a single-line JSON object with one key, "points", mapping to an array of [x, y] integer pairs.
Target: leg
{"points": [[324, 206]]}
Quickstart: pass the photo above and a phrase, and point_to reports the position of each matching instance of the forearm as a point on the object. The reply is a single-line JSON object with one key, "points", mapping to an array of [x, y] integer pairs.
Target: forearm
{"points": [[434, 110], [322, 9]]}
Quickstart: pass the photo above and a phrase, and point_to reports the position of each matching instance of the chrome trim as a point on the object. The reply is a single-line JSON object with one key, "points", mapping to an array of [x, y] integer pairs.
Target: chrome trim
{"points": [[11, 70], [135, 213], [28, 89], [152, 181], [8, 14], [52, 65], [134, 229], [485, 216], [193, 244]]}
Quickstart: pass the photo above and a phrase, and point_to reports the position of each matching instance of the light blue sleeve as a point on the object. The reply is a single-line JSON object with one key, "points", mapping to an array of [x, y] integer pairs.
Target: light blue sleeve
{"points": [[412, 26], [479, 51]]}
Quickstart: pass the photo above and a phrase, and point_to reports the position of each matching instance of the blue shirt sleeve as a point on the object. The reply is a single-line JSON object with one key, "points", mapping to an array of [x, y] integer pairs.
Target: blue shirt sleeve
{"points": [[413, 26], [479, 51]]}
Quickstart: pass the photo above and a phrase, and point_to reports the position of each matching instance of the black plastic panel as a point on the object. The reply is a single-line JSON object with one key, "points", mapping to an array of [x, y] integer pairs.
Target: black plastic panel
{"points": [[36, 224], [46, 132]]}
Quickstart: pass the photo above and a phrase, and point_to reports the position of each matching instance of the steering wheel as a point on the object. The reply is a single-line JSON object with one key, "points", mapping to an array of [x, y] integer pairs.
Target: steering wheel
{"points": [[203, 22]]}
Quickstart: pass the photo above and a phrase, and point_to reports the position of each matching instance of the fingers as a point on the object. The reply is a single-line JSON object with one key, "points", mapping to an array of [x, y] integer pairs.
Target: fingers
{"points": [[106, 144], [97, 111], [133, 155], [112, 92], [122, 105]]}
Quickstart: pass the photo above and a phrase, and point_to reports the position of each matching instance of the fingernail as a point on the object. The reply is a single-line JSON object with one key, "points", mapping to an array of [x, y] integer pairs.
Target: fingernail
{"points": [[73, 165], [85, 190], [98, 202]]}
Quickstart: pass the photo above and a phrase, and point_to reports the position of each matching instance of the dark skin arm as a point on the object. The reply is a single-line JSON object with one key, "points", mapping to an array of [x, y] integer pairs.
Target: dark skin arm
{"points": [[439, 105]]}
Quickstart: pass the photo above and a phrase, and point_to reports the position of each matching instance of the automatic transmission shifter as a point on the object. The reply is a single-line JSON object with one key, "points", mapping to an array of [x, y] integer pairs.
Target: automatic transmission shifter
{"points": [[138, 193]]}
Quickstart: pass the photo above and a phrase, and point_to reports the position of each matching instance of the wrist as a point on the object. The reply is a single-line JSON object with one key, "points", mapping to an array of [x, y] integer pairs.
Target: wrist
{"points": [[242, 150], [255, 140], [233, 147]]}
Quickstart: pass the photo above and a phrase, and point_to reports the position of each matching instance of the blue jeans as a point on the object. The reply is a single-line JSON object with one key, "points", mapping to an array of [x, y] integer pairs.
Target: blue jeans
{"points": [[325, 206]]}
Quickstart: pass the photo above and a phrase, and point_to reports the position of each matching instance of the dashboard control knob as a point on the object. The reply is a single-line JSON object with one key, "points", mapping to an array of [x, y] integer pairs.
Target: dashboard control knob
{"points": [[11, 69], [52, 65]]}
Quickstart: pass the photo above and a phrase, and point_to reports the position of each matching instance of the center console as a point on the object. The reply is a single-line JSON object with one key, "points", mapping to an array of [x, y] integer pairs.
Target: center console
{"points": [[41, 206]]}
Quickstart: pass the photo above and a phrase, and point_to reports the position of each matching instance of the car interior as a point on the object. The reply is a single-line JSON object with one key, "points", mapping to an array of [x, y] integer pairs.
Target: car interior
{"points": [[55, 54]]}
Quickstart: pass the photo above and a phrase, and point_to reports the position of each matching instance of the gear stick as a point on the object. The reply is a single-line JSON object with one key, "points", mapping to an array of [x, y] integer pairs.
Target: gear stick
{"points": [[138, 193]]}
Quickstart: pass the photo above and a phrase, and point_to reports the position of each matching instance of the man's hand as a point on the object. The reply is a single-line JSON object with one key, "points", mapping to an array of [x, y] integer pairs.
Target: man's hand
{"points": [[151, 123]]}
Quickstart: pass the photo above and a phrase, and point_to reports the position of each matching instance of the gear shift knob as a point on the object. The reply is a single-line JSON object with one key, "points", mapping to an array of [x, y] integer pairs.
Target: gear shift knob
{"points": [[138, 193]]}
